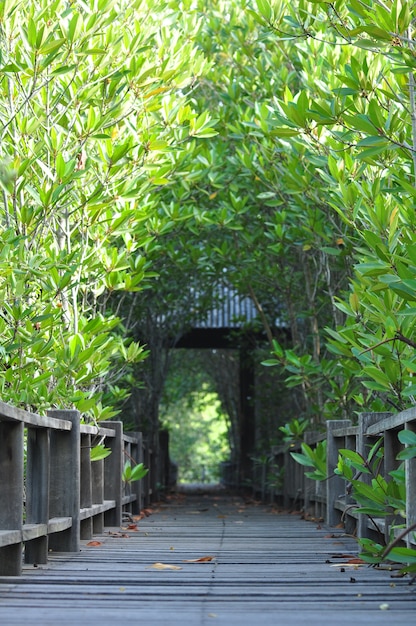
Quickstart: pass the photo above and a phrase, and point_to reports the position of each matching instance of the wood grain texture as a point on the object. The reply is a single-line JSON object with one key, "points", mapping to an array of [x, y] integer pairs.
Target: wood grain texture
{"points": [[269, 569]]}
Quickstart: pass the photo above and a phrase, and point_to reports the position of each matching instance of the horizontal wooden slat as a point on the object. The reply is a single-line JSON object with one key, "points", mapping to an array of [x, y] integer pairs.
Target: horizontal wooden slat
{"points": [[96, 509], [14, 414], [130, 438], [87, 429], [57, 524], [349, 431], [393, 422], [33, 531], [130, 498], [10, 537]]}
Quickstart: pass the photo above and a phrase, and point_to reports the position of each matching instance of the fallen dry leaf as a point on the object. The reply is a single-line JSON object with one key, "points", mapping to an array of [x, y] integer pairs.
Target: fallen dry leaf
{"points": [[94, 544], [202, 559], [163, 566], [341, 555]]}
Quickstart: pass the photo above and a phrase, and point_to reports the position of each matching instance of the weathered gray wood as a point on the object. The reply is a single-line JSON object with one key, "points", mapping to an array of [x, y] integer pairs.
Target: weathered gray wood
{"points": [[97, 509], [97, 477], [137, 486], [97, 431], [410, 470], [335, 484], [86, 485], [113, 464], [32, 532], [11, 494], [367, 424], [37, 493], [389, 421], [268, 569], [8, 538], [149, 479], [14, 414], [348, 431], [59, 524], [64, 499]]}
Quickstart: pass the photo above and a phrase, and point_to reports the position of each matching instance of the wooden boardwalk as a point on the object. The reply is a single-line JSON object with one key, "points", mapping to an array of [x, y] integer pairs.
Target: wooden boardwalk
{"points": [[269, 568]]}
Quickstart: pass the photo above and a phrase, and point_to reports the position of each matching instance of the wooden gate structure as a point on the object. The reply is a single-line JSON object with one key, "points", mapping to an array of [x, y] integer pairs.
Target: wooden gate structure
{"points": [[233, 323]]}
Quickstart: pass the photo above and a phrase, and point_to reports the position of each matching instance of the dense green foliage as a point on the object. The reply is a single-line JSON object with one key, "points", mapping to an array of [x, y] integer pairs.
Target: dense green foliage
{"points": [[152, 150], [94, 121]]}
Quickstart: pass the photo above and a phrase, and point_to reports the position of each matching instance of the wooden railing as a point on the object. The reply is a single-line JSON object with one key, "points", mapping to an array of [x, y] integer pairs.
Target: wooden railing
{"points": [[51, 493], [331, 499]]}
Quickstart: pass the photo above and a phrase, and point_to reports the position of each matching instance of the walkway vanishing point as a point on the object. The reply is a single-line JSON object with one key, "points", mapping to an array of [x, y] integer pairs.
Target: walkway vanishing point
{"points": [[267, 568]]}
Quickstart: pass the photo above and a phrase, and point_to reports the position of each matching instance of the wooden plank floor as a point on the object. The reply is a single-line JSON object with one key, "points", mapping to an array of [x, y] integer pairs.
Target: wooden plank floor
{"points": [[269, 569]]}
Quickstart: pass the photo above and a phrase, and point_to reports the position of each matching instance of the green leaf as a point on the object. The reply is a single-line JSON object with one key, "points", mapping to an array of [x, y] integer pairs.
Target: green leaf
{"points": [[133, 474], [265, 9], [52, 46], [302, 459], [403, 555], [99, 452], [407, 437]]}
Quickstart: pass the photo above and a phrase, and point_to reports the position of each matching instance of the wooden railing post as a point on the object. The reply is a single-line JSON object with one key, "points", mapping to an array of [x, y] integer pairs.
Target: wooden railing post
{"points": [[65, 468], [335, 484], [86, 485], [97, 476], [287, 480], [137, 486], [309, 483], [37, 491], [410, 470], [113, 469], [364, 421], [11, 495]]}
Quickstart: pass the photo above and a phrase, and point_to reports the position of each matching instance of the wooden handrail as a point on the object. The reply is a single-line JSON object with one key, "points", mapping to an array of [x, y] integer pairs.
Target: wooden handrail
{"points": [[51, 493], [331, 499]]}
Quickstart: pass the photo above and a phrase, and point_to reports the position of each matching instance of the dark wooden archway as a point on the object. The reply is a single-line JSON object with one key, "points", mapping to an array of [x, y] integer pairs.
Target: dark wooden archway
{"points": [[227, 338]]}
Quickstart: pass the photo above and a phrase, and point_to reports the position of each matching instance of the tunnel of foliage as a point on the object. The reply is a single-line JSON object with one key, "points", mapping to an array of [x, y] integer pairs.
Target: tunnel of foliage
{"points": [[154, 150]]}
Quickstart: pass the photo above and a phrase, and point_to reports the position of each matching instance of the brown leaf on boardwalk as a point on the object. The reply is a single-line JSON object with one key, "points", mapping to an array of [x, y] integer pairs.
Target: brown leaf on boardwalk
{"points": [[94, 544], [163, 566], [342, 556], [202, 559], [147, 512]]}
